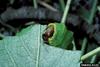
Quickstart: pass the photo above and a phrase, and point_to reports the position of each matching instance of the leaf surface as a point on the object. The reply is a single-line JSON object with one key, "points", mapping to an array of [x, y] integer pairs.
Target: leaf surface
{"points": [[28, 50]]}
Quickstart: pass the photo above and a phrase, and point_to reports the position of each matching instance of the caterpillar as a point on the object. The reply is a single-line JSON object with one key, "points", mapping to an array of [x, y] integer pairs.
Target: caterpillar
{"points": [[57, 34]]}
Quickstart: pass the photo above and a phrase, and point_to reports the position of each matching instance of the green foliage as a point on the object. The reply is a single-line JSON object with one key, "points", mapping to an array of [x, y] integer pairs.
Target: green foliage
{"points": [[88, 15], [24, 31], [22, 51]]}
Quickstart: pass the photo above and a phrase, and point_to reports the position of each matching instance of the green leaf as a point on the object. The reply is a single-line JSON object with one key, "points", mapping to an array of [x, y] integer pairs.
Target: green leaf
{"points": [[24, 31], [28, 50], [88, 15]]}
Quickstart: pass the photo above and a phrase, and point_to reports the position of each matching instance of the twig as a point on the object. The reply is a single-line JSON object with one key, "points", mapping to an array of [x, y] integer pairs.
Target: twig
{"points": [[66, 11], [30, 23], [30, 13], [47, 6], [9, 26], [94, 52]]}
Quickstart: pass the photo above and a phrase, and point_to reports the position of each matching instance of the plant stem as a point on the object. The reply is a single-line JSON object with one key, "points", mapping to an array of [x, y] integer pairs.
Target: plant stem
{"points": [[30, 23], [94, 52], [35, 3], [47, 6], [66, 11], [74, 46], [93, 11], [93, 59], [83, 46], [98, 8], [62, 4], [9, 26], [2, 36]]}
